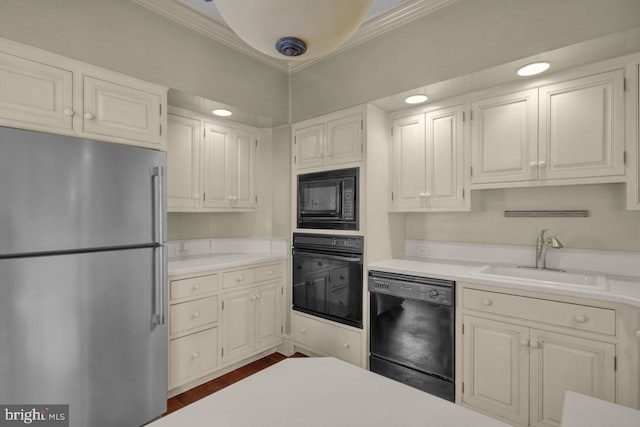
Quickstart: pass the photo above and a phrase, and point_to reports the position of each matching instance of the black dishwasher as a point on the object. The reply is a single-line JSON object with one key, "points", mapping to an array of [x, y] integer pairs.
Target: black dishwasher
{"points": [[412, 335]]}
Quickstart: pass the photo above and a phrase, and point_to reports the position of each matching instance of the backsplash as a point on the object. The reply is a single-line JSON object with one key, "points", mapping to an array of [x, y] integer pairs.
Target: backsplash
{"points": [[195, 247], [621, 263]]}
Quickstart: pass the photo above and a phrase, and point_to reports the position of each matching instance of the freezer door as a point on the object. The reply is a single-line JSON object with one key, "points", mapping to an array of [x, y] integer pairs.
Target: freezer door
{"points": [[83, 330], [60, 193]]}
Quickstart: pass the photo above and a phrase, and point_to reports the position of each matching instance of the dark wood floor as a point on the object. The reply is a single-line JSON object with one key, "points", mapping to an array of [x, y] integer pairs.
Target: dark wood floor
{"points": [[197, 393]]}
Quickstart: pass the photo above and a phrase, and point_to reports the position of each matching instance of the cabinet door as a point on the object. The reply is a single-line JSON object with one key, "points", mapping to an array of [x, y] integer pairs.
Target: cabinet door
{"points": [[183, 167], [408, 163], [32, 93], [309, 146], [582, 127], [117, 110], [562, 362], [238, 319], [243, 179], [496, 368], [216, 159], [445, 158], [504, 138], [344, 140], [269, 315]]}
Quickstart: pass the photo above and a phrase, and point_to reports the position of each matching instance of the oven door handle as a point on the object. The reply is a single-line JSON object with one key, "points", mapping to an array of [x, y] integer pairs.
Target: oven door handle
{"points": [[324, 255]]}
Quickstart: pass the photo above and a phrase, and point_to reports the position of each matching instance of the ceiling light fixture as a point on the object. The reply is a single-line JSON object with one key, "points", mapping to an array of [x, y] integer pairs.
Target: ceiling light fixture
{"points": [[294, 29], [533, 69], [416, 99], [222, 112]]}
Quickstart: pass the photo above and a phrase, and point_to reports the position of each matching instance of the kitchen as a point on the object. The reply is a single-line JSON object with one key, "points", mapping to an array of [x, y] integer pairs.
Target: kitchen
{"points": [[370, 80]]}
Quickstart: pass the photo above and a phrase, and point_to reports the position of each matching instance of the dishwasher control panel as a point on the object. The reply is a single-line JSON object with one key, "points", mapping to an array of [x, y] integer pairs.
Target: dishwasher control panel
{"points": [[424, 289]]}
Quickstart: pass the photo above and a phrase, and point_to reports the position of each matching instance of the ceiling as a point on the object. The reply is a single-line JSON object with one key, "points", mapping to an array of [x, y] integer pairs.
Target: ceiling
{"points": [[203, 17]]}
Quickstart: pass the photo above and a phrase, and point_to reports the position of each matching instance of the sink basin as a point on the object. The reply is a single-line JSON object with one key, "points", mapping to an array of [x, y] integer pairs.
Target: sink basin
{"points": [[548, 277]]}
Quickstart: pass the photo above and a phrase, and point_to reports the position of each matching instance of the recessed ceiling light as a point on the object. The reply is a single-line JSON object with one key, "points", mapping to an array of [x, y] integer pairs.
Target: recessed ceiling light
{"points": [[533, 69], [222, 112], [416, 99]]}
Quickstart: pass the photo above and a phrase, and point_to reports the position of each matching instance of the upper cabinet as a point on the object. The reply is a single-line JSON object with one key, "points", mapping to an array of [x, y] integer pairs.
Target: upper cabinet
{"points": [[334, 139], [427, 161], [633, 135], [211, 166], [572, 129], [46, 92]]}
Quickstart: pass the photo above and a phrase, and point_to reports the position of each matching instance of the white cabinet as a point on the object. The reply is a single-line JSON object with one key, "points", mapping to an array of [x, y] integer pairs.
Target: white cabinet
{"points": [[229, 168], [329, 140], [427, 162], [118, 110], [496, 368], [504, 138], [32, 93], [520, 354], [211, 167], [572, 129], [633, 135], [252, 321], [327, 338], [222, 317], [46, 92], [183, 162]]}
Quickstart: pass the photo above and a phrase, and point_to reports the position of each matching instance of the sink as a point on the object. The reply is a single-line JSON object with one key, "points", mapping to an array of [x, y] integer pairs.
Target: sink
{"points": [[548, 278]]}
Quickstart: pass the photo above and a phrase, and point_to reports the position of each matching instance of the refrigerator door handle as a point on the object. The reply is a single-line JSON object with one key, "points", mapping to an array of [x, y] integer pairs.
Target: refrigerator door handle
{"points": [[158, 210], [160, 274]]}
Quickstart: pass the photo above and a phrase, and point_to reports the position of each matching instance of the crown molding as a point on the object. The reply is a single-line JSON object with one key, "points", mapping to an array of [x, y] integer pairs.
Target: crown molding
{"points": [[403, 13]]}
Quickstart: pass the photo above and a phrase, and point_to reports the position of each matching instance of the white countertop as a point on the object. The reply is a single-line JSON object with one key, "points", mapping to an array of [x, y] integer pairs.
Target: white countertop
{"points": [[320, 392], [198, 263], [585, 411], [621, 289]]}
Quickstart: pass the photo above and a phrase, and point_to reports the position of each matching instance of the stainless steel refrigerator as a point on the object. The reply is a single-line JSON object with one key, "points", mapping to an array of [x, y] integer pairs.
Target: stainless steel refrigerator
{"points": [[82, 278]]}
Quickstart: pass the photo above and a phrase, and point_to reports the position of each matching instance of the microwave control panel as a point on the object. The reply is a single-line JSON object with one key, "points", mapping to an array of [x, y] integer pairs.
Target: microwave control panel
{"points": [[348, 199]]}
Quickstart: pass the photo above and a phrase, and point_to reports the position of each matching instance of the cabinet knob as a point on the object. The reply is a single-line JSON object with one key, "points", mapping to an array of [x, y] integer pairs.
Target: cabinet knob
{"points": [[195, 355], [533, 164], [303, 330], [195, 286], [69, 112], [486, 302], [240, 278], [427, 195], [534, 344], [542, 164], [270, 272], [346, 345], [524, 342], [89, 116], [580, 318], [258, 296], [196, 196], [638, 333]]}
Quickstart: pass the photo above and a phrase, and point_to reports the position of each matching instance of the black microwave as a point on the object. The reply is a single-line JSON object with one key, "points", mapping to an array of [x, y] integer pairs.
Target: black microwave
{"points": [[328, 199]]}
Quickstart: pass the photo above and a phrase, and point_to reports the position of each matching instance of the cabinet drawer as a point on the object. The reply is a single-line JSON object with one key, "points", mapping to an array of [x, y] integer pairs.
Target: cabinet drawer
{"points": [[583, 317], [192, 356], [238, 278], [328, 339], [269, 272], [194, 286], [192, 314]]}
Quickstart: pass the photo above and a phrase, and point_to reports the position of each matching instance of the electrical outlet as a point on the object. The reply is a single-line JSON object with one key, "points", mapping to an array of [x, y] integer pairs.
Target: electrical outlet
{"points": [[423, 251]]}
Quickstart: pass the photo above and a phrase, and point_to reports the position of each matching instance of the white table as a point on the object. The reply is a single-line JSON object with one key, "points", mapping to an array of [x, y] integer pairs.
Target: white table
{"points": [[322, 392], [585, 411]]}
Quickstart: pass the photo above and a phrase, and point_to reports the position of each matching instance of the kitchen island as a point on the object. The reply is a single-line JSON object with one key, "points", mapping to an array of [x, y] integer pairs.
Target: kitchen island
{"points": [[319, 392]]}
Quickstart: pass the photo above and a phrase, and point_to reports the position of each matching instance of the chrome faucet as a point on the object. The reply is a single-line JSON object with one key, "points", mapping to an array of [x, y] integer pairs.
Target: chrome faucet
{"points": [[542, 245]]}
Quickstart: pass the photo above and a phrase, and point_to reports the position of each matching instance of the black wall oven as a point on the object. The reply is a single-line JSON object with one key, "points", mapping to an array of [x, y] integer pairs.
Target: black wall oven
{"points": [[328, 199], [412, 336], [327, 277]]}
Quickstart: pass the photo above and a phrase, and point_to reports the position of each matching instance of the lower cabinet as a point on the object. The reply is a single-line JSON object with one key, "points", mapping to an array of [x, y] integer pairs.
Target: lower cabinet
{"points": [[211, 327], [327, 339], [519, 372]]}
